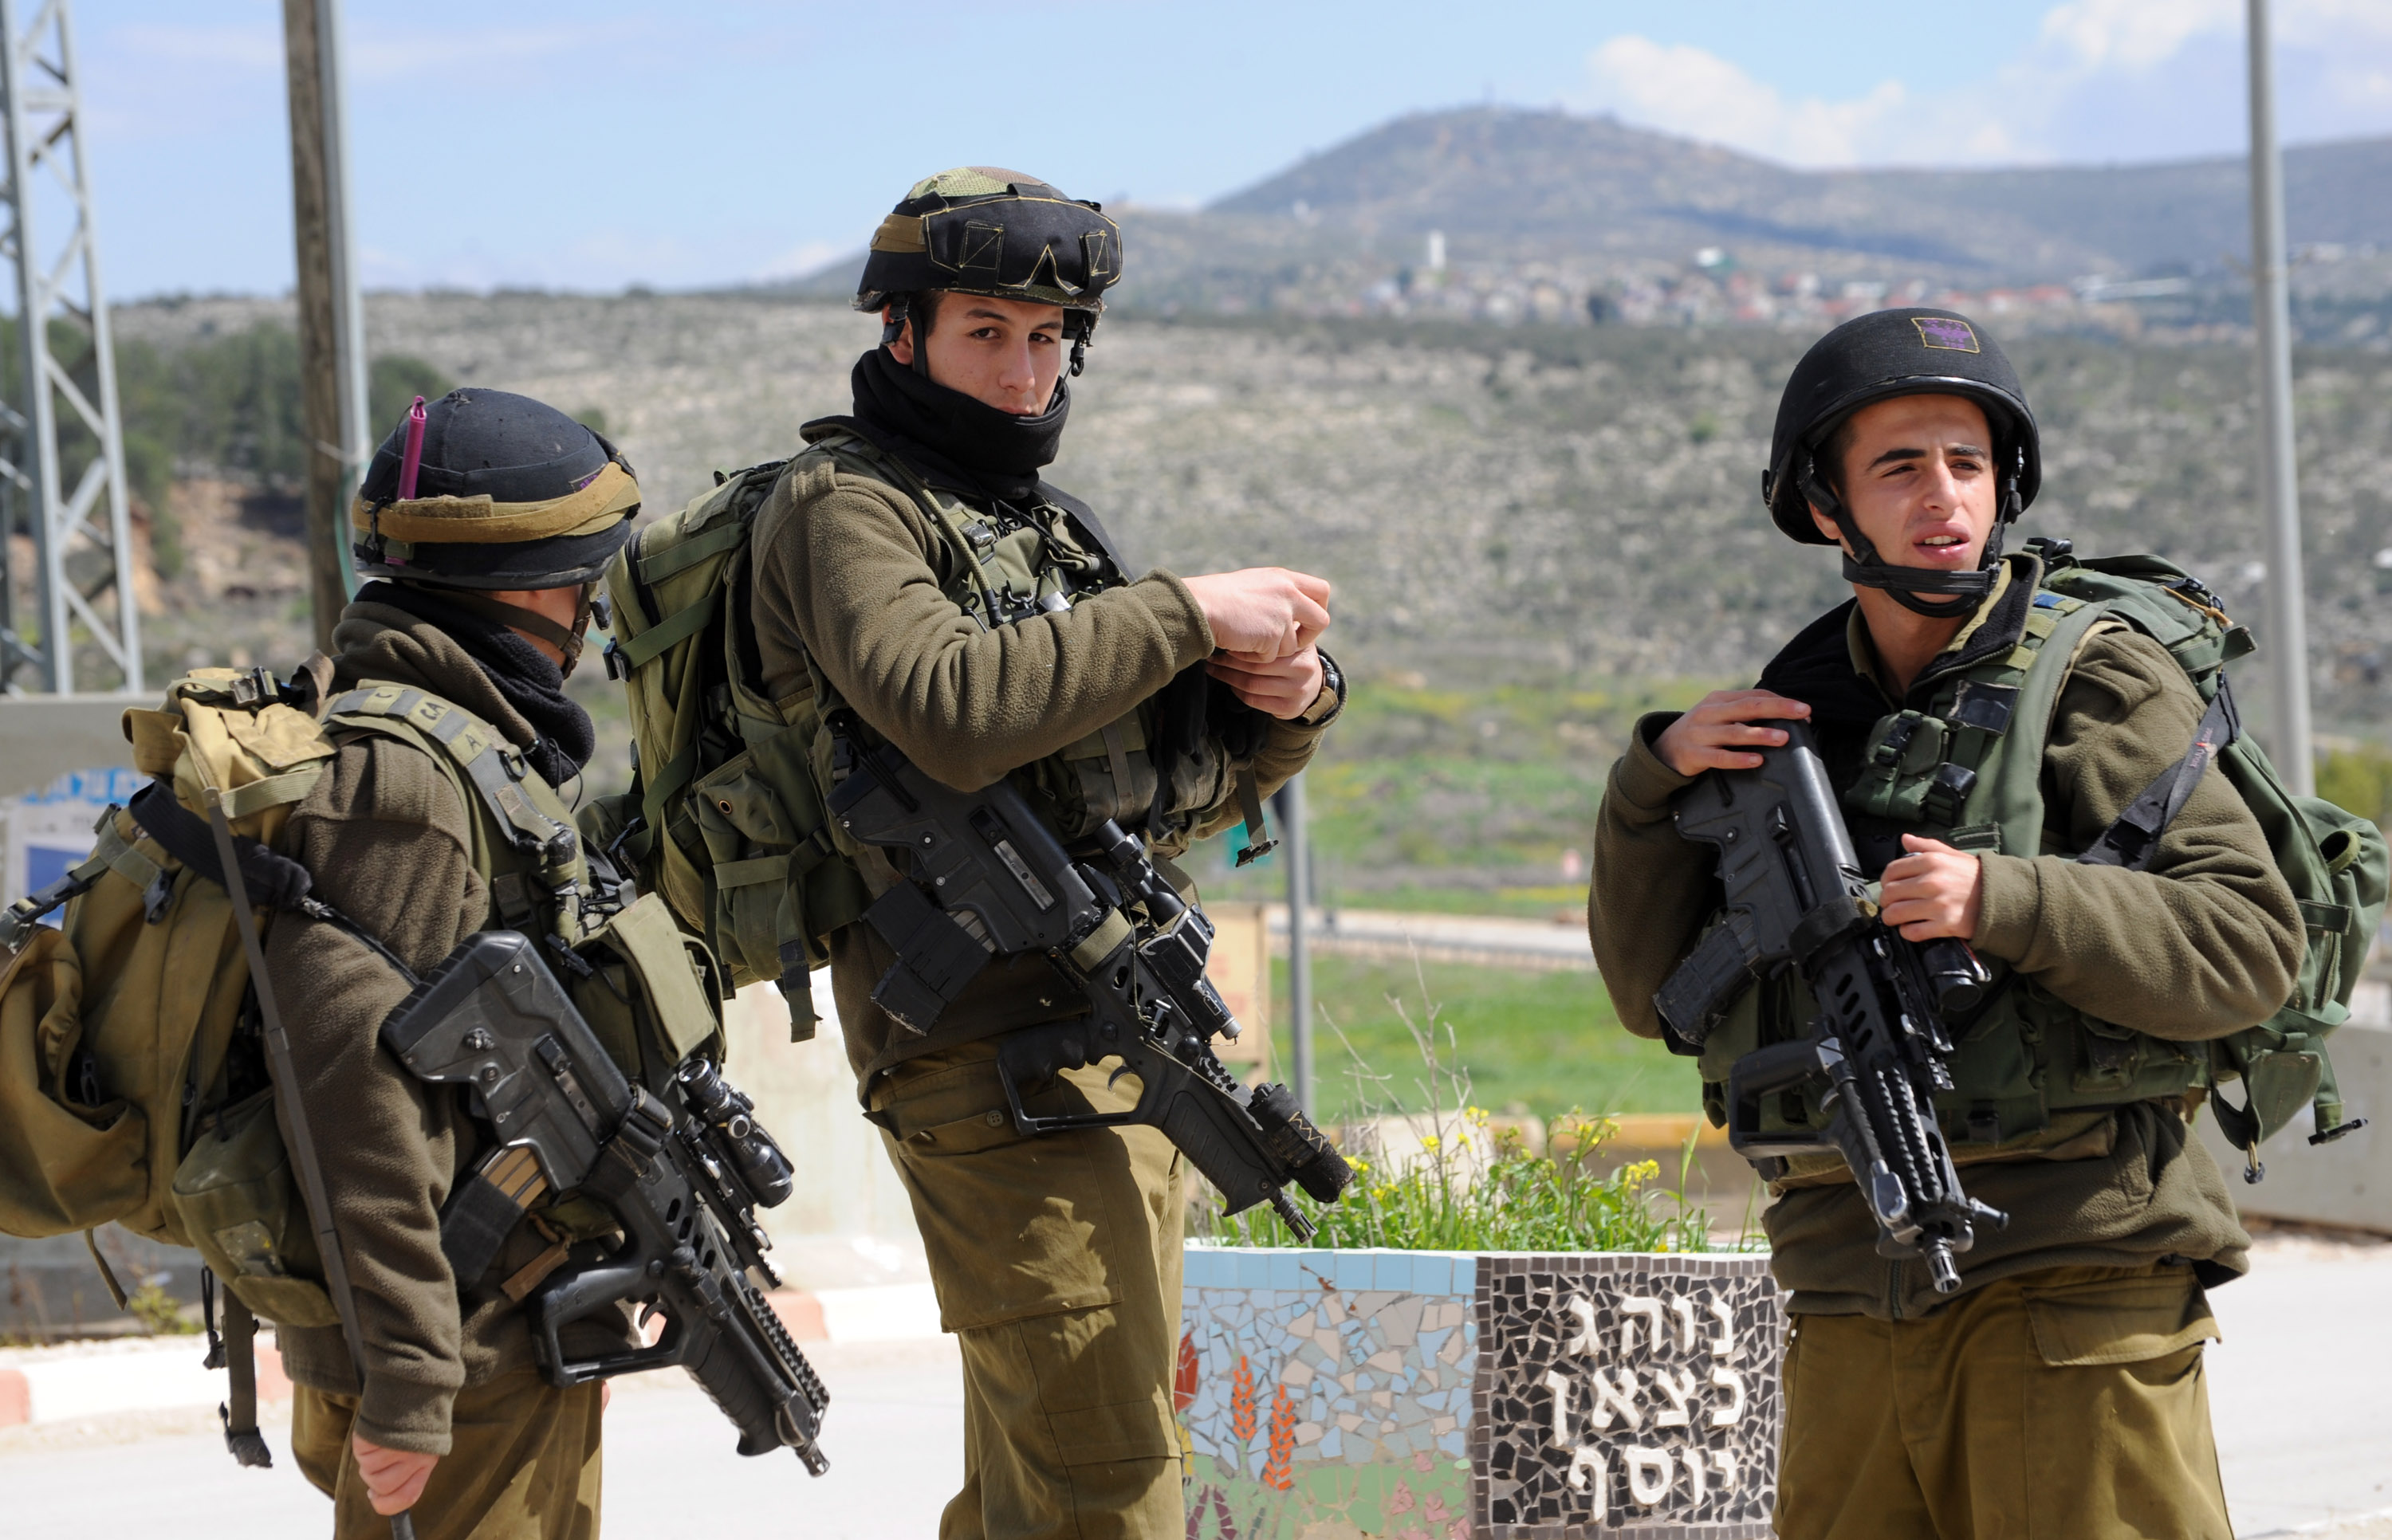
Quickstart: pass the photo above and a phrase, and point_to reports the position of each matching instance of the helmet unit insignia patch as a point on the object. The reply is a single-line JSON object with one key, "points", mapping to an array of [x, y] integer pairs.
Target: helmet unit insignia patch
{"points": [[1950, 333]]}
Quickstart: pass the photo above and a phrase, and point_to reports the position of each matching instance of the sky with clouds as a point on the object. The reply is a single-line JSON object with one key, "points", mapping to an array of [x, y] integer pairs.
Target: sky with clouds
{"points": [[600, 143]]}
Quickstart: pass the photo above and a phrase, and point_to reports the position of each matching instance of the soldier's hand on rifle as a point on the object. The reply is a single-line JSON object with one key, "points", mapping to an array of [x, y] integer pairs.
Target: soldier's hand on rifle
{"points": [[394, 1478], [1262, 613], [1723, 728], [1284, 688], [1933, 891]]}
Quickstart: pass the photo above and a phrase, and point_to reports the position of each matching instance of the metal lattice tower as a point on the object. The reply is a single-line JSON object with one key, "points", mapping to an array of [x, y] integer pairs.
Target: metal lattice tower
{"points": [[61, 439]]}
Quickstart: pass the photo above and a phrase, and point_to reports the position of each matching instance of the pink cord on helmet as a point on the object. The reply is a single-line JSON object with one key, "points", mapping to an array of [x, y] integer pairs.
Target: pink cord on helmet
{"points": [[411, 463]]}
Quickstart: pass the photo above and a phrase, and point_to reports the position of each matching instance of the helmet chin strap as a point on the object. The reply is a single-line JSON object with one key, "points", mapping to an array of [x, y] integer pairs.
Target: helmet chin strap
{"points": [[1959, 591], [893, 326]]}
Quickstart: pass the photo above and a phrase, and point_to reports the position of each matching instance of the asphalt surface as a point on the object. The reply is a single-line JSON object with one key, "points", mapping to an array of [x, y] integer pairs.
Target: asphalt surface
{"points": [[2297, 1395], [894, 1436], [2298, 1390]]}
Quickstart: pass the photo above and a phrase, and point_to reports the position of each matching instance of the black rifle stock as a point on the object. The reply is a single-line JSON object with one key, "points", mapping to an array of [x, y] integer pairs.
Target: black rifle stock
{"points": [[989, 878], [1876, 1052], [683, 1184]]}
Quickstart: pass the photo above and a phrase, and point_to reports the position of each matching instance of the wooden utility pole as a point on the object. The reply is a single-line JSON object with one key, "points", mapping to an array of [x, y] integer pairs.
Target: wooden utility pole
{"points": [[331, 333]]}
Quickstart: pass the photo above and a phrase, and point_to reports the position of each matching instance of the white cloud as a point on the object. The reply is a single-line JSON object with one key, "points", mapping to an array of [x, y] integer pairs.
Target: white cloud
{"points": [[2134, 34], [2104, 80], [1690, 91]]}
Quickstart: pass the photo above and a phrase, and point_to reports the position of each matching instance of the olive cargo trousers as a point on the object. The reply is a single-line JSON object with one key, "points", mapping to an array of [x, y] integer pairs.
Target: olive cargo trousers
{"points": [[522, 1464], [2064, 1405], [1057, 1262]]}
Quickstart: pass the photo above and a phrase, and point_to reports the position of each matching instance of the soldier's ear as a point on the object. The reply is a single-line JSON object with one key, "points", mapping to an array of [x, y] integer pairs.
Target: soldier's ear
{"points": [[1826, 525], [901, 348]]}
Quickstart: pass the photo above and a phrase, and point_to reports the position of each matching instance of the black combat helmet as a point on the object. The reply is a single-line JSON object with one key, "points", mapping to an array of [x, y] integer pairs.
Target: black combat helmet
{"points": [[1873, 357], [484, 489], [985, 230]]}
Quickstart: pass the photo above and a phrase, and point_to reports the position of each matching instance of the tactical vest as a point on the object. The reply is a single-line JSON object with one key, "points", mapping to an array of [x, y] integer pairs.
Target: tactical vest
{"points": [[729, 825], [2031, 1070], [1007, 564], [648, 993]]}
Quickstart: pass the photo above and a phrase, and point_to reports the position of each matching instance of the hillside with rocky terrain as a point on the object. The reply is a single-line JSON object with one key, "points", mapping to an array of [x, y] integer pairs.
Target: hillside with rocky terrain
{"points": [[1506, 213], [1574, 502]]}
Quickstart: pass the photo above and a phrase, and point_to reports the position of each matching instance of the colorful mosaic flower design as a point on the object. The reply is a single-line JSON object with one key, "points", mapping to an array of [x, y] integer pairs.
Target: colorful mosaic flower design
{"points": [[1276, 1470]]}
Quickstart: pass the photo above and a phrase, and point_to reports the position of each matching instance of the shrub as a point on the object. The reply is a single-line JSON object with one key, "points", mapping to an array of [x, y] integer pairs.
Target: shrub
{"points": [[1476, 1189]]}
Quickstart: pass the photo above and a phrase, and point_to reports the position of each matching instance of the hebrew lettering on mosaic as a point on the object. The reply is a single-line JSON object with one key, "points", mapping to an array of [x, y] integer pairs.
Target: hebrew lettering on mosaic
{"points": [[1633, 1398]]}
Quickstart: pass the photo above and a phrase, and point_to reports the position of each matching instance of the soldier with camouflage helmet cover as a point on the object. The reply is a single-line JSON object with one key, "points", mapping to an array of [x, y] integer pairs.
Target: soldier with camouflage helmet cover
{"points": [[2059, 1389], [912, 567]]}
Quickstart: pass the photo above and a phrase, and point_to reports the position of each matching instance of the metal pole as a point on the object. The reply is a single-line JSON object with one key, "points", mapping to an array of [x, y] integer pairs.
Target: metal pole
{"points": [[2288, 668], [1296, 851], [348, 300]]}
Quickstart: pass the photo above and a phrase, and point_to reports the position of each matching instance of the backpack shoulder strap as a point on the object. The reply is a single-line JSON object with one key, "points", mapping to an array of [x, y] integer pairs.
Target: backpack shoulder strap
{"points": [[480, 755], [880, 465], [2007, 795], [718, 522]]}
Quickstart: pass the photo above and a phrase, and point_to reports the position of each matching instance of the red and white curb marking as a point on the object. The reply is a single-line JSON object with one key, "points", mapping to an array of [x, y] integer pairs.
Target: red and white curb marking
{"points": [[98, 1378]]}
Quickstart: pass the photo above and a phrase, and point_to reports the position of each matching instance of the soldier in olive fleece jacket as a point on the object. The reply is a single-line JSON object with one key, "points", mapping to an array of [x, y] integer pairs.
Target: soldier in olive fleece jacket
{"points": [[389, 843], [913, 563], [849, 568], [2203, 943]]}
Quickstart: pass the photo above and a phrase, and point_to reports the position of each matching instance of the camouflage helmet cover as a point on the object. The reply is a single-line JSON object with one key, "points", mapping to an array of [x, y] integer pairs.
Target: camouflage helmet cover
{"points": [[985, 230]]}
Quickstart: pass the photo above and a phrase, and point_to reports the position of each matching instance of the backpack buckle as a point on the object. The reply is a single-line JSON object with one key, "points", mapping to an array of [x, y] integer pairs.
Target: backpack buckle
{"points": [[610, 655], [256, 686]]}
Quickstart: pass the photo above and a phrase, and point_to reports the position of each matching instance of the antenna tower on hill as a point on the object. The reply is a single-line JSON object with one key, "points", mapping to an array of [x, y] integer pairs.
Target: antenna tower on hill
{"points": [[61, 437]]}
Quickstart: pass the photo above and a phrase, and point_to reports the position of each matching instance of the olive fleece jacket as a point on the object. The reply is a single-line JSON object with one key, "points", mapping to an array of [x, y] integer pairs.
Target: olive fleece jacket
{"points": [[2208, 940], [389, 843], [854, 575]]}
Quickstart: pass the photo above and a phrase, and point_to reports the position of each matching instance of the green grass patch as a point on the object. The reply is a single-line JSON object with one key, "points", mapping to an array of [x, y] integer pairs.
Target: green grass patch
{"points": [[1544, 1042]]}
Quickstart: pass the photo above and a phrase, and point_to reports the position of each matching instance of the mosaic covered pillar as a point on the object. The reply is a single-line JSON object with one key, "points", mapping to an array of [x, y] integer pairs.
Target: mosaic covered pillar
{"points": [[1431, 1395]]}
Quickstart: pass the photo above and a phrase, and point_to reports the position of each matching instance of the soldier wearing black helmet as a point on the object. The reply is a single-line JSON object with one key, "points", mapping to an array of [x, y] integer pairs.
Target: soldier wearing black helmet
{"points": [[2060, 1391], [912, 566], [481, 525]]}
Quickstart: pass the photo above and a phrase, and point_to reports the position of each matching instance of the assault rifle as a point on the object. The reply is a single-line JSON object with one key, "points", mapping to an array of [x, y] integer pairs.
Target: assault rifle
{"points": [[1877, 1053], [989, 879], [682, 1181]]}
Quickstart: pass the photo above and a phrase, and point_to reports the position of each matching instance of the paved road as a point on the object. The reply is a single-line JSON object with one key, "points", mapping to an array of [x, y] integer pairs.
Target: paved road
{"points": [[894, 1437], [2296, 1390], [1486, 941]]}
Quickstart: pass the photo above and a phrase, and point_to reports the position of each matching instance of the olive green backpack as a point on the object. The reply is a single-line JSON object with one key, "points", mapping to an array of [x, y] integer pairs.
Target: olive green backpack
{"points": [[1980, 773], [725, 818], [132, 1087]]}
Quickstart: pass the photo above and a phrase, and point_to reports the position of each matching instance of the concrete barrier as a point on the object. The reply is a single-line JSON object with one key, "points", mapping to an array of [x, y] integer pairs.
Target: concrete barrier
{"points": [[849, 1223], [43, 737], [2347, 1183]]}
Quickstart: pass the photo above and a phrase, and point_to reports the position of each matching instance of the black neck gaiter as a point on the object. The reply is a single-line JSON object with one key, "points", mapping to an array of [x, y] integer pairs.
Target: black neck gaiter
{"points": [[530, 680], [945, 430]]}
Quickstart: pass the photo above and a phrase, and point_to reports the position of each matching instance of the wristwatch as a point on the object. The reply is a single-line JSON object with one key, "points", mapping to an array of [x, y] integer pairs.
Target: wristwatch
{"points": [[1333, 689]]}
